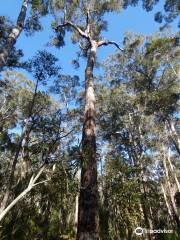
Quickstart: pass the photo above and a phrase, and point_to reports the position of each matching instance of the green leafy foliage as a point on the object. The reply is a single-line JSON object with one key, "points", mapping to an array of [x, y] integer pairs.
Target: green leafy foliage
{"points": [[137, 123]]}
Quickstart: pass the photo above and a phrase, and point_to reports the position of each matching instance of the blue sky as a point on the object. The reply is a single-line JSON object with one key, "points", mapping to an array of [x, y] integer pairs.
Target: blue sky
{"points": [[133, 19]]}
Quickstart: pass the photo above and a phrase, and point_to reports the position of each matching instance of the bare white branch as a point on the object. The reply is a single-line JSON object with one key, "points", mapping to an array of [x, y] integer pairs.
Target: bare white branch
{"points": [[32, 183], [40, 183], [107, 42], [78, 29]]}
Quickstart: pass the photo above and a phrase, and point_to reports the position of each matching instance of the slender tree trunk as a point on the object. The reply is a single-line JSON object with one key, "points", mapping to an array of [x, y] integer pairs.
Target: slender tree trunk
{"points": [[13, 36], [138, 161], [173, 172], [171, 194], [174, 135], [6, 210], [11, 177], [88, 217], [147, 221], [24, 136], [76, 204], [25, 151], [167, 204], [76, 214], [104, 219], [27, 130]]}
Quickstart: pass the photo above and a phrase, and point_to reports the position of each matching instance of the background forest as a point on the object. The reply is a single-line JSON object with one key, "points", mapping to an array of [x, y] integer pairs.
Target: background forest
{"points": [[89, 120]]}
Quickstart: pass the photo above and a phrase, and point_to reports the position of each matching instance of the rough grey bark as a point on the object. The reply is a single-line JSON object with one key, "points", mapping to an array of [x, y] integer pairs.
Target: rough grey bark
{"points": [[13, 36]]}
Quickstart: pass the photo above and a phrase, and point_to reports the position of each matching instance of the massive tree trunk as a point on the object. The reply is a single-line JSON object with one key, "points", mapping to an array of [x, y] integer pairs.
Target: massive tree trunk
{"points": [[88, 216], [12, 38], [88, 219]]}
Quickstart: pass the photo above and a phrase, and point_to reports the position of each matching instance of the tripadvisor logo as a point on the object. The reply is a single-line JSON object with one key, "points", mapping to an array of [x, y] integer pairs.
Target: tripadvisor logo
{"points": [[140, 231]]}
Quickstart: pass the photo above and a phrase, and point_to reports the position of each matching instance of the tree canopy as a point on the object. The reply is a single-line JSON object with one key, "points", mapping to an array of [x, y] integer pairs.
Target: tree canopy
{"points": [[93, 152]]}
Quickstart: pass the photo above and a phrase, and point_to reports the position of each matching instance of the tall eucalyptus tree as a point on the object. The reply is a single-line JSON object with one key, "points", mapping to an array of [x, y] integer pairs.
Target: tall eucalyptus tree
{"points": [[85, 20]]}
